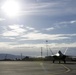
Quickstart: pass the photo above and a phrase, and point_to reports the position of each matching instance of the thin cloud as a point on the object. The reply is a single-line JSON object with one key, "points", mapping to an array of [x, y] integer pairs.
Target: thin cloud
{"points": [[60, 25], [30, 28], [30, 33], [41, 36], [6, 45], [14, 30], [10, 33], [64, 44], [2, 19], [64, 24], [74, 21], [12, 45], [48, 8], [49, 29]]}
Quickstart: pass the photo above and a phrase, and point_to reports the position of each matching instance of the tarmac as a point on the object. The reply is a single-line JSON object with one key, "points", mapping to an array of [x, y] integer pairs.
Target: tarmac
{"points": [[36, 68]]}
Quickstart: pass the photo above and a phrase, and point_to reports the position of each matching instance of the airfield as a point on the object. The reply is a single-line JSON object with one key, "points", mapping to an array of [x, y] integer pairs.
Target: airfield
{"points": [[36, 68]]}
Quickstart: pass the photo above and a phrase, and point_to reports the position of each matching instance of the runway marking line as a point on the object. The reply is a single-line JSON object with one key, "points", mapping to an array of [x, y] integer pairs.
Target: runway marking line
{"points": [[67, 69], [43, 68]]}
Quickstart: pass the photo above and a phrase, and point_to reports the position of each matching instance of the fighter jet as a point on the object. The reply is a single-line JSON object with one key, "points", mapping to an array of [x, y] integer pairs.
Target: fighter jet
{"points": [[59, 56]]}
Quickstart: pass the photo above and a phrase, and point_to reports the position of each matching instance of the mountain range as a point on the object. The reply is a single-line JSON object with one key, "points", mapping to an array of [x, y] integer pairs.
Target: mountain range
{"points": [[9, 56]]}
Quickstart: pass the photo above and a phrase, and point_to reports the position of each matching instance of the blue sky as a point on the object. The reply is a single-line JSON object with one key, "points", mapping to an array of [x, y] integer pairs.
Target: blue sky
{"points": [[36, 22]]}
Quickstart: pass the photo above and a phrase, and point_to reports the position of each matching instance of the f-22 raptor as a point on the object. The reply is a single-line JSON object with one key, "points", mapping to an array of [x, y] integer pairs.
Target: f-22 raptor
{"points": [[59, 56]]}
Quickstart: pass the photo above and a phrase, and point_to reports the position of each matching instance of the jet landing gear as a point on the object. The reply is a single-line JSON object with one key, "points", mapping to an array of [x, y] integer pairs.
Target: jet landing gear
{"points": [[60, 61], [53, 61], [64, 61]]}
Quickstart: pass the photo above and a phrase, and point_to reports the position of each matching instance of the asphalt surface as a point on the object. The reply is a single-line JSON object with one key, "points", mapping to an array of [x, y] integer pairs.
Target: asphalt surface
{"points": [[36, 68]]}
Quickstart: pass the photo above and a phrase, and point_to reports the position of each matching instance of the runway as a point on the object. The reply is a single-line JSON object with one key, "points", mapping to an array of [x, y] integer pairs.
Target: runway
{"points": [[36, 68]]}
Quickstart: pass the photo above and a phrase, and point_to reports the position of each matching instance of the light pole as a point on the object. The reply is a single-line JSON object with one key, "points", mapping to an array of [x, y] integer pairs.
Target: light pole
{"points": [[47, 46], [41, 52], [21, 56]]}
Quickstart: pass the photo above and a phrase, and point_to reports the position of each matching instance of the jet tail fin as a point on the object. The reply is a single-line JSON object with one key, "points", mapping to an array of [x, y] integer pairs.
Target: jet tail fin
{"points": [[51, 51], [66, 50]]}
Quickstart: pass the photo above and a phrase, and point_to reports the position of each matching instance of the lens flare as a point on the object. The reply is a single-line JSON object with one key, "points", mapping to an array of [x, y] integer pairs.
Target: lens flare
{"points": [[11, 8]]}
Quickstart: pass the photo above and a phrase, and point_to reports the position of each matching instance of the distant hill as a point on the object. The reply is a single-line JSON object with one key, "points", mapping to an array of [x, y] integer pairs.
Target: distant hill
{"points": [[9, 56]]}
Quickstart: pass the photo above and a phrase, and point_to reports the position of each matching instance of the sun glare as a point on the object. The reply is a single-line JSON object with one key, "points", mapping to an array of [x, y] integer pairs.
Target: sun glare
{"points": [[11, 8]]}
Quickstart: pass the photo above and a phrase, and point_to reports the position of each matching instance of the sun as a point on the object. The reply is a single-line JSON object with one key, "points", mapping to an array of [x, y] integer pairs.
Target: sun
{"points": [[11, 8]]}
